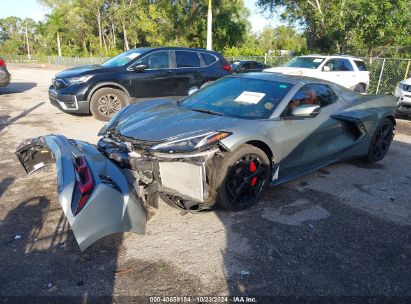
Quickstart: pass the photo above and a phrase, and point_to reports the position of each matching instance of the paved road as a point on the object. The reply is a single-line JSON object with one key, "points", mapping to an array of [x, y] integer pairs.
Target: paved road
{"points": [[344, 230]]}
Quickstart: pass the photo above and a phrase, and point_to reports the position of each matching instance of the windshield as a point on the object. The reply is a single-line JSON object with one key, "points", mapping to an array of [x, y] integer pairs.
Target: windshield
{"points": [[305, 62], [238, 97], [122, 59]]}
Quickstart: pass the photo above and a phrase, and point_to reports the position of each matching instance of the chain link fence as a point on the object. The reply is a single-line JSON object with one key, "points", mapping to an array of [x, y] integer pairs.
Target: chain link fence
{"points": [[385, 73]]}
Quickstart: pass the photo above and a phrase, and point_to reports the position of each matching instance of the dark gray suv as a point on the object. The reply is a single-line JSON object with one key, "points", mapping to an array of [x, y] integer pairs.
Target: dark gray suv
{"points": [[141, 73]]}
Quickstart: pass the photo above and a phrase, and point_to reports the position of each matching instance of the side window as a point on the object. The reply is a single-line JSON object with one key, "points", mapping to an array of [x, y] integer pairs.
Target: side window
{"points": [[247, 66], [208, 58], [338, 65], [258, 65], [361, 65], [325, 94], [156, 60], [187, 59], [312, 94]]}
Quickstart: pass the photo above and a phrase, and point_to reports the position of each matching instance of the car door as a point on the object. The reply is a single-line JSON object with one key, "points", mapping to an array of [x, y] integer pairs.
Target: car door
{"points": [[340, 71], [313, 141], [187, 71], [156, 80]]}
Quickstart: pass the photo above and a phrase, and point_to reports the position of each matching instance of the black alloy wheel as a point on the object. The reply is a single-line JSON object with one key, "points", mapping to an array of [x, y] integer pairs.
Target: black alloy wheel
{"points": [[381, 141], [246, 180]]}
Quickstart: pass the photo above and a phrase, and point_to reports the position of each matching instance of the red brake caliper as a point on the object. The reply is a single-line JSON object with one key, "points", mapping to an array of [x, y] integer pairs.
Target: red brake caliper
{"points": [[252, 169]]}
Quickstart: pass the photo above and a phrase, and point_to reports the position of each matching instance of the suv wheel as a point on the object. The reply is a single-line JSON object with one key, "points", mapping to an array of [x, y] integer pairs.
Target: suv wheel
{"points": [[106, 102]]}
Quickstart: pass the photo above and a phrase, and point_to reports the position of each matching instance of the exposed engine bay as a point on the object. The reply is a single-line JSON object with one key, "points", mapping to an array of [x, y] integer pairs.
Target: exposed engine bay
{"points": [[184, 180]]}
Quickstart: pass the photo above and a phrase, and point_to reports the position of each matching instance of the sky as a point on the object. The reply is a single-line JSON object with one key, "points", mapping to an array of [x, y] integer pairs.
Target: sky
{"points": [[32, 9]]}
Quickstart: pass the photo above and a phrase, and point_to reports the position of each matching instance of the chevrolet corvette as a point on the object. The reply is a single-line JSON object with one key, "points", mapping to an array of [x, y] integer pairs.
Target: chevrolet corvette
{"points": [[224, 144]]}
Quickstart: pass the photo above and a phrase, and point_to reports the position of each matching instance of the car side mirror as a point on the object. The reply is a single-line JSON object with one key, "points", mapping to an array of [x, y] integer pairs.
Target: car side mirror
{"points": [[140, 67], [326, 68], [306, 110]]}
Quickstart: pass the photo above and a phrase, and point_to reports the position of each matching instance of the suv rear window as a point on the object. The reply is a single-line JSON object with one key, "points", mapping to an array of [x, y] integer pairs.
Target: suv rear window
{"points": [[338, 65], [187, 59], [208, 58], [361, 65]]}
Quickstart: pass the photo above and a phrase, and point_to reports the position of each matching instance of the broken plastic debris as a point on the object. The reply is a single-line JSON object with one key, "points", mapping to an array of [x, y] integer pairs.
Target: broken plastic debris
{"points": [[17, 237]]}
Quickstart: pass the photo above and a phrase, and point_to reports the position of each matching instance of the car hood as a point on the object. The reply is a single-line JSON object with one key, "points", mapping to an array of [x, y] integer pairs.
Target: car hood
{"points": [[288, 70], [159, 120], [81, 71]]}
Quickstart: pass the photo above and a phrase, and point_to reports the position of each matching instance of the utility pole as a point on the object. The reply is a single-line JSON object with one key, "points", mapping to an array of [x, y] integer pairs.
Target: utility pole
{"points": [[27, 42], [209, 27]]}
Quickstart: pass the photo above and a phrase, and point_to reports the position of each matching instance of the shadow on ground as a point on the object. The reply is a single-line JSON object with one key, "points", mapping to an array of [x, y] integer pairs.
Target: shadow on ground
{"points": [[309, 243], [17, 87], [6, 121], [40, 257]]}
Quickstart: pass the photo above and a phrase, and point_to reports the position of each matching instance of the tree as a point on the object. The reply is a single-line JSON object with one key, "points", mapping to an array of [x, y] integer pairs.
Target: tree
{"points": [[281, 38], [105, 27], [339, 25]]}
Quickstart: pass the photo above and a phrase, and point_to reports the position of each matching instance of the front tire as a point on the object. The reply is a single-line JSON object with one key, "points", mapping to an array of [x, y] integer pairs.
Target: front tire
{"points": [[105, 102], [381, 141], [243, 177]]}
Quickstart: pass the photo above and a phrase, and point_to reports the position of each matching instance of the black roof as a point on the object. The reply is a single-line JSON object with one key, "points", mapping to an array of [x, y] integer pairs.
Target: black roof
{"points": [[146, 49]]}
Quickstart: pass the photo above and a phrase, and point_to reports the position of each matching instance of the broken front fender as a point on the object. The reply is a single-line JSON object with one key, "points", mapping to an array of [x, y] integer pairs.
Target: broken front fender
{"points": [[93, 192]]}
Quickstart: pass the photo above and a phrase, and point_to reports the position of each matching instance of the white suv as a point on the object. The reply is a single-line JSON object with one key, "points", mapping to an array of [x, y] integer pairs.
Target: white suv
{"points": [[403, 92], [347, 71]]}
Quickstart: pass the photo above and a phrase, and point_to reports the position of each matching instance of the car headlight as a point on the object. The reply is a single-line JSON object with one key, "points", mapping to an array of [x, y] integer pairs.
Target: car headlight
{"points": [[76, 80], [192, 143]]}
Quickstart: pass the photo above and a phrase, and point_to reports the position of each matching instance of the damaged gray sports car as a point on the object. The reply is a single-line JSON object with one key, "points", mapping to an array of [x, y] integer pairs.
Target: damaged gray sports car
{"points": [[223, 144]]}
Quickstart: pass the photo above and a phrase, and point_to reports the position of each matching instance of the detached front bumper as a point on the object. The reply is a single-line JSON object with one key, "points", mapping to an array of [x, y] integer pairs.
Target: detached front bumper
{"points": [[94, 193]]}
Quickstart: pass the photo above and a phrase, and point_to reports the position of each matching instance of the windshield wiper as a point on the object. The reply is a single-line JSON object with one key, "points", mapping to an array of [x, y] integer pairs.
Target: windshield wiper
{"points": [[207, 111]]}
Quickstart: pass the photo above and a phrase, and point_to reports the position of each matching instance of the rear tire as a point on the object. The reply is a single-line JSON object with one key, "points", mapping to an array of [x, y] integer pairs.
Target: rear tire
{"points": [[105, 102], [380, 141], [360, 88], [242, 178]]}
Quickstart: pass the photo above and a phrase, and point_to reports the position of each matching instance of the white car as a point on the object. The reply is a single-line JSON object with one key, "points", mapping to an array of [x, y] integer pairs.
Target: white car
{"points": [[403, 92], [350, 72]]}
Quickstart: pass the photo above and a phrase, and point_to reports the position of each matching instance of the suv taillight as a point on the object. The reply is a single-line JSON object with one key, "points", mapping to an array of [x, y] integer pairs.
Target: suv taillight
{"points": [[84, 183], [2, 62]]}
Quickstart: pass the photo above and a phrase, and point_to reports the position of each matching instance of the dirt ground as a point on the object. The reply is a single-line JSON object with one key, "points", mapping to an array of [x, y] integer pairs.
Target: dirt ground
{"points": [[341, 231]]}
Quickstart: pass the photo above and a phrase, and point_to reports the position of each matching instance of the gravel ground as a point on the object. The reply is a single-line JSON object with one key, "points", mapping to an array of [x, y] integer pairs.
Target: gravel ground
{"points": [[341, 231]]}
